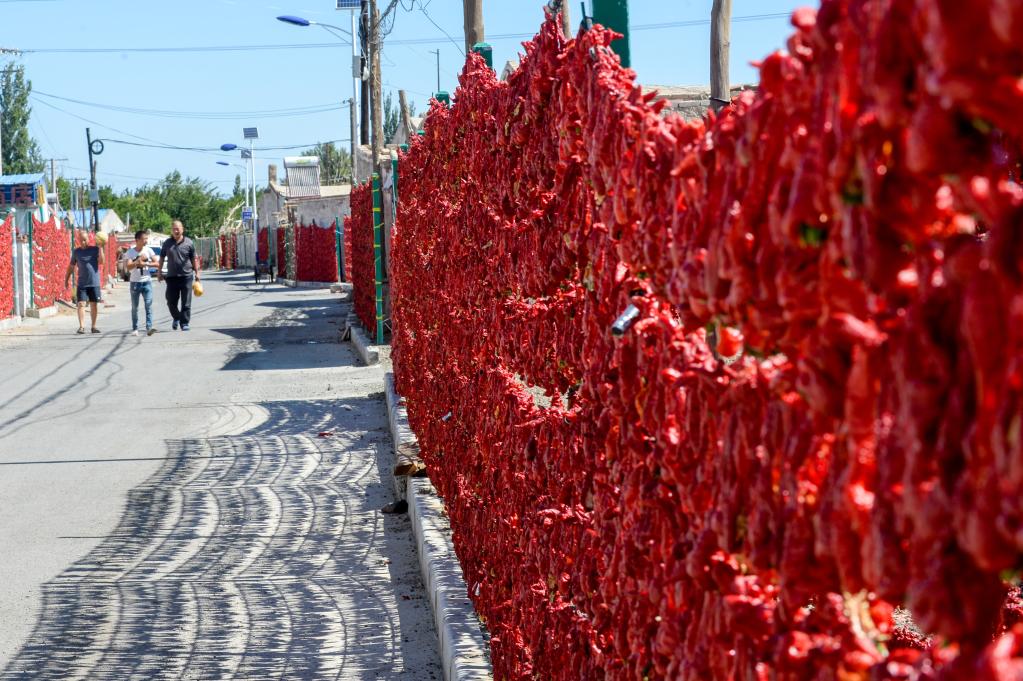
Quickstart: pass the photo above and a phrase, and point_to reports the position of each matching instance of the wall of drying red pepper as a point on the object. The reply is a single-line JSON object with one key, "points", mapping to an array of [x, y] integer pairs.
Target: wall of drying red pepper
{"points": [[281, 252], [359, 253], [223, 252], [264, 244], [110, 257], [848, 238], [6, 267], [316, 253], [347, 245], [51, 251]]}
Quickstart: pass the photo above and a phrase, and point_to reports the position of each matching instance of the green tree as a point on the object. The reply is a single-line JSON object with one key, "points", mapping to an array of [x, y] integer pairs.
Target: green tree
{"points": [[335, 163], [153, 207], [239, 191], [20, 151]]}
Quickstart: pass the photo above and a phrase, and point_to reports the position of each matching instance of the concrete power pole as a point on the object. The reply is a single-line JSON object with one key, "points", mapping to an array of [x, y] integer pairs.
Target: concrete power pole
{"points": [[473, 11], [355, 142], [720, 42], [375, 84]]}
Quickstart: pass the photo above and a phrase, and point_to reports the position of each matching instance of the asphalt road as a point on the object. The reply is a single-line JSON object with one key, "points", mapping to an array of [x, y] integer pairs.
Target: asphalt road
{"points": [[169, 509]]}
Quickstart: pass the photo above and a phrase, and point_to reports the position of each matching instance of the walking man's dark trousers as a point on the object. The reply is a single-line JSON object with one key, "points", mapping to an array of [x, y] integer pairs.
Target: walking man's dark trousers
{"points": [[179, 298]]}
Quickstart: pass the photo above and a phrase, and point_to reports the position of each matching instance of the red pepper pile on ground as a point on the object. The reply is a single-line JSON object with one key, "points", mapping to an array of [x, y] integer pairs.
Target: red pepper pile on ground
{"points": [[6, 267], [359, 253], [316, 253], [51, 251], [817, 415]]}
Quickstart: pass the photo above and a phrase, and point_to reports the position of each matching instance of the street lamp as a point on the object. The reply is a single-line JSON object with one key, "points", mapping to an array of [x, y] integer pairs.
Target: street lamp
{"points": [[243, 167], [356, 64], [250, 134]]}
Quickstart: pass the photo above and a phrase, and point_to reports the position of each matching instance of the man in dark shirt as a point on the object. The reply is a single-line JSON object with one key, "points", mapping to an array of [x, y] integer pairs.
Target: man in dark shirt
{"points": [[182, 267], [89, 260]]}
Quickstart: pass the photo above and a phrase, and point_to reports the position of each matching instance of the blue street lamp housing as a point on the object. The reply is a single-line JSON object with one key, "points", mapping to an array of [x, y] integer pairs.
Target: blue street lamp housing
{"points": [[297, 21]]}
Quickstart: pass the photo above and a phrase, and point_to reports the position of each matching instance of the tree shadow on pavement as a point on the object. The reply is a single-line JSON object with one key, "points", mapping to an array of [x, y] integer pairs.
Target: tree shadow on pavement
{"points": [[296, 334], [254, 555]]}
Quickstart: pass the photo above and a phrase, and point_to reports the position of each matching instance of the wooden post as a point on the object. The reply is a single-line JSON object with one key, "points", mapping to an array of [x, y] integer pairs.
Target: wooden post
{"points": [[560, 7], [375, 85], [406, 118], [566, 20], [473, 13], [720, 41]]}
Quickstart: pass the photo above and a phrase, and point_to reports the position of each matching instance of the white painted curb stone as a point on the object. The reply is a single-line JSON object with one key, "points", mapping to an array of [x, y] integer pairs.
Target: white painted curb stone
{"points": [[41, 312], [10, 323], [463, 647]]}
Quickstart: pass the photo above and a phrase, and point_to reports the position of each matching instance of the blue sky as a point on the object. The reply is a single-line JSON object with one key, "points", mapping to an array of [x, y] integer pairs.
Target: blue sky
{"points": [[236, 82]]}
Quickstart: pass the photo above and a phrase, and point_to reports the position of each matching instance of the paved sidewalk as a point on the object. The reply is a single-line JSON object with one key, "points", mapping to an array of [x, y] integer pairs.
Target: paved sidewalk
{"points": [[254, 547]]}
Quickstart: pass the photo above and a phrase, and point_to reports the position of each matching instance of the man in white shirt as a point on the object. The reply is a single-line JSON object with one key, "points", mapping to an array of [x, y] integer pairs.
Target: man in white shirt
{"points": [[138, 260]]}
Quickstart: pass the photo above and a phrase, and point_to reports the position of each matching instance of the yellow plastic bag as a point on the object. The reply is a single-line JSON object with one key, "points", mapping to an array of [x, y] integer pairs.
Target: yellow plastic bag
{"points": [[197, 288]]}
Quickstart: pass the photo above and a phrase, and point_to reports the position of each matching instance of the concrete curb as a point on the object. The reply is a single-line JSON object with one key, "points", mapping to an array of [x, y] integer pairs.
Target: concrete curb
{"points": [[368, 353], [401, 434], [464, 651], [42, 312], [10, 323], [291, 283]]}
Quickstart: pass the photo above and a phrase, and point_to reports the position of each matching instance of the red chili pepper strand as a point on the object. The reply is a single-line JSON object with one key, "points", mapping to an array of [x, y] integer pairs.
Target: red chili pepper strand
{"points": [[677, 517]]}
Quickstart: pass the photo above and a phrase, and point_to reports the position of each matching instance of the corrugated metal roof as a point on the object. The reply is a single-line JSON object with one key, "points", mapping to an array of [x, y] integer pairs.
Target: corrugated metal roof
{"points": [[26, 178]]}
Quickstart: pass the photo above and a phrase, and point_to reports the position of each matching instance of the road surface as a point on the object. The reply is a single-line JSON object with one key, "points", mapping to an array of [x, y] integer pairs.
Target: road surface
{"points": [[170, 510]]}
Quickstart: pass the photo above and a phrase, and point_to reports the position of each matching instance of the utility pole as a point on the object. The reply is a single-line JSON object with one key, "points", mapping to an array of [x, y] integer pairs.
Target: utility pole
{"points": [[473, 12], [53, 177], [375, 84], [356, 81], [364, 90], [720, 42], [437, 52], [93, 189], [355, 156]]}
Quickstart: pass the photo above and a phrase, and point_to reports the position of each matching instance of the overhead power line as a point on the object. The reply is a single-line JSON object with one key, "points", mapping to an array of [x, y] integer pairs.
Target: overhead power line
{"points": [[156, 144], [333, 46], [307, 145], [229, 115]]}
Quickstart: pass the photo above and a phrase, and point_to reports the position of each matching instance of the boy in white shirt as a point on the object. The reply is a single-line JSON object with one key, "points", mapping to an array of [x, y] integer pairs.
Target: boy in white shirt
{"points": [[138, 260]]}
